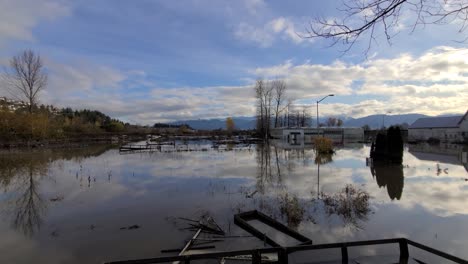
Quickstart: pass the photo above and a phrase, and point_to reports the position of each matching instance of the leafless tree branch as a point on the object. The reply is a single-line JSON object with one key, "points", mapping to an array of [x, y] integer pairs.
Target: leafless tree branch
{"points": [[365, 18], [26, 77]]}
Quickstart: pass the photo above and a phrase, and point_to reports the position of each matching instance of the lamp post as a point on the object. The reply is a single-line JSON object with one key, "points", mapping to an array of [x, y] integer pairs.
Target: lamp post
{"points": [[318, 110]]}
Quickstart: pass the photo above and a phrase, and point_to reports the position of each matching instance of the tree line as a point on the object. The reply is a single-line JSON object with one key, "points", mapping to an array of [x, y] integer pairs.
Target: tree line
{"points": [[24, 119], [38, 123], [274, 108]]}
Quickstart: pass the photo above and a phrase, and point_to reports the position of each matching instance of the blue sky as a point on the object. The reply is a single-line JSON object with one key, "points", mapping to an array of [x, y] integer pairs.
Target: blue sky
{"points": [[147, 61]]}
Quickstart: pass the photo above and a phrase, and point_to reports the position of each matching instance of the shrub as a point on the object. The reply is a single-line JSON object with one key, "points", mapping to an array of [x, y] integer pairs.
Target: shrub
{"points": [[323, 145]]}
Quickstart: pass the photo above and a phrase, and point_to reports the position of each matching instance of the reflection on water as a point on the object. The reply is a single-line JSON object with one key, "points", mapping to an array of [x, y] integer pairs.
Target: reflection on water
{"points": [[445, 153], [70, 205], [389, 176], [21, 175], [351, 204]]}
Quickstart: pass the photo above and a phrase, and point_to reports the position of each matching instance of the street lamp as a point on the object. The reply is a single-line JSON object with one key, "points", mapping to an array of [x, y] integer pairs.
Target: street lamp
{"points": [[318, 111]]}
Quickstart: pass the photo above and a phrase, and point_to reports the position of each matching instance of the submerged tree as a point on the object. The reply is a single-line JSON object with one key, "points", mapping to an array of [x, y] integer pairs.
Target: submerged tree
{"points": [[264, 97], [279, 87], [271, 103], [26, 77], [388, 146]]}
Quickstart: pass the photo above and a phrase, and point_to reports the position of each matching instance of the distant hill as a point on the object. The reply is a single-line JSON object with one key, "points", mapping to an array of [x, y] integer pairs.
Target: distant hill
{"points": [[241, 123], [244, 123], [376, 121]]}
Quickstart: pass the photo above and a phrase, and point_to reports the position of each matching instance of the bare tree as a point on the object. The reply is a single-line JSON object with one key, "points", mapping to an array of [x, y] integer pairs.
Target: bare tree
{"points": [[305, 116], [339, 122], [369, 17], [331, 122], [259, 91], [26, 77], [264, 97], [268, 100], [279, 87]]}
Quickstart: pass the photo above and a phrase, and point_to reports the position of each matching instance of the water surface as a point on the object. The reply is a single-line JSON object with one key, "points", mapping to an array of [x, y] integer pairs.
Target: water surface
{"points": [[76, 205]]}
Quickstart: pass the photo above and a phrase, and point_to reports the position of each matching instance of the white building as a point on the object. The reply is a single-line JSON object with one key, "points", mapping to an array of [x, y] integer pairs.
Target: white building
{"points": [[307, 134], [445, 129]]}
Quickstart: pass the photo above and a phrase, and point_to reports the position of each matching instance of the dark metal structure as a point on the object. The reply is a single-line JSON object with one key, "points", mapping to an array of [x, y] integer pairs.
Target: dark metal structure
{"points": [[242, 221], [283, 252]]}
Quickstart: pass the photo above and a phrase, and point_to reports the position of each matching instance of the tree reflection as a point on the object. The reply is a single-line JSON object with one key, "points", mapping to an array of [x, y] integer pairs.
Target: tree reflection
{"points": [[29, 206], [323, 158], [270, 169], [351, 204], [389, 176], [20, 176]]}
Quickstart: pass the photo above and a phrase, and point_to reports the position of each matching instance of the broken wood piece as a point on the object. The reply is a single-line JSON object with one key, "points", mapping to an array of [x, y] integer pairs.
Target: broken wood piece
{"points": [[188, 245], [192, 248]]}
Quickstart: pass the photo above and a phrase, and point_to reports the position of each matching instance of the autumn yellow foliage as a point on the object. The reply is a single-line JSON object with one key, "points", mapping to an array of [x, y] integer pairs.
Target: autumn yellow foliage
{"points": [[323, 145]]}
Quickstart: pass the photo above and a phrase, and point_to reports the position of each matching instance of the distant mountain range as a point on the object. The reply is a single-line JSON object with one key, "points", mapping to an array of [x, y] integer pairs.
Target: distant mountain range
{"points": [[244, 123], [377, 121]]}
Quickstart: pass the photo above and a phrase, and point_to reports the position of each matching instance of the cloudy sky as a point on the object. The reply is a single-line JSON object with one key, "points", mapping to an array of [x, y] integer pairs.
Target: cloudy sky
{"points": [[147, 61]]}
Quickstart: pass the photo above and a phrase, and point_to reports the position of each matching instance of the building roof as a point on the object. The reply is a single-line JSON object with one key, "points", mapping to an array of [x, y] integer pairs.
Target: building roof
{"points": [[437, 122]]}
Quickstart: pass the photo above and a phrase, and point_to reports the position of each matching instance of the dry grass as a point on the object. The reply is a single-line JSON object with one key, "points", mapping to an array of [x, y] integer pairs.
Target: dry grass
{"points": [[292, 209], [351, 204]]}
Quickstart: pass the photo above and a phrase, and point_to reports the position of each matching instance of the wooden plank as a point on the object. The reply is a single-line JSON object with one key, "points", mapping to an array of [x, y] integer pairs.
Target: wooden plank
{"points": [[187, 246]]}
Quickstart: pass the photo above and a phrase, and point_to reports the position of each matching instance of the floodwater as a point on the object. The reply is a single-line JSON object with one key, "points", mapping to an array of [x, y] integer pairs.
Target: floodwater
{"points": [[95, 204]]}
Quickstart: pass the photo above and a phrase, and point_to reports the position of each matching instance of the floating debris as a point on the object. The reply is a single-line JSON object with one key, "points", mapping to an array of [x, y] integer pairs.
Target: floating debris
{"points": [[180, 249], [130, 227], [54, 233], [56, 199]]}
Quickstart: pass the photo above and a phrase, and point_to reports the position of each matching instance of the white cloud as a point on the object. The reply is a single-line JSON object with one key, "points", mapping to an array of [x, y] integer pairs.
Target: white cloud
{"points": [[261, 36], [253, 6], [19, 17], [311, 80], [433, 83], [265, 35]]}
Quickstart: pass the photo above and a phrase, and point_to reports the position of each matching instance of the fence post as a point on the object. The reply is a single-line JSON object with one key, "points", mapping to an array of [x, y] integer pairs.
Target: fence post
{"points": [[404, 254], [344, 255], [256, 257], [283, 256]]}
